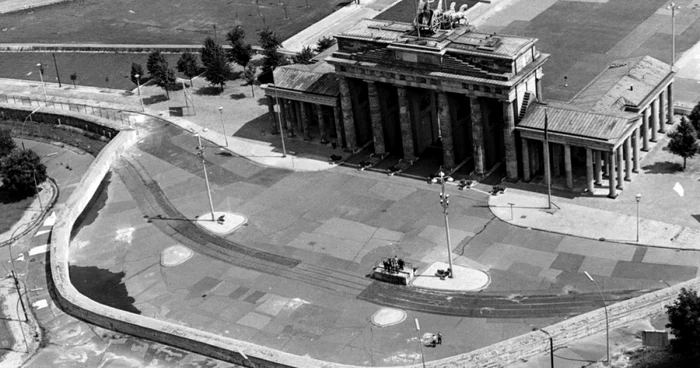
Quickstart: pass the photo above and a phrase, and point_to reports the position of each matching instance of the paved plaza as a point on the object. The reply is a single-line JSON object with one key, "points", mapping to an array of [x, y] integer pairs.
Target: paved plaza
{"points": [[294, 277]]}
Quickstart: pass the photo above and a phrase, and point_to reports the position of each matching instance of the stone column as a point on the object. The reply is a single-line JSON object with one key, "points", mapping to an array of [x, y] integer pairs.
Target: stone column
{"points": [[375, 115], [598, 171], [669, 103], [628, 158], [273, 118], [654, 120], [338, 122], [645, 130], [662, 113], [635, 154], [589, 170], [297, 114], [526, 158], [289, 113], [321, 123], [611, 164], [477, 136], [556, 159], [620, 176], [305, 120], [538, 89], [509, 140], [547, 173], [448, 156], [406, 128], [567, 167], [348, 118]]}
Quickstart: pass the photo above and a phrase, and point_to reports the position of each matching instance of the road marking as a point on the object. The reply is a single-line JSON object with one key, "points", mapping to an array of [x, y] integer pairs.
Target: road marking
{"points": [[39, 250], [40, 304], [51, 219], [41, 232]]}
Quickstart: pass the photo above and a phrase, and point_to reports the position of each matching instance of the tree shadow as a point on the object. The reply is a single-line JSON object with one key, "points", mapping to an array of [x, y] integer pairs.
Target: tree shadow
{"points": [[208, 91], [102, 286], [155, 99], [665, 167], [262, 101], [238, 96], [8, 197]]}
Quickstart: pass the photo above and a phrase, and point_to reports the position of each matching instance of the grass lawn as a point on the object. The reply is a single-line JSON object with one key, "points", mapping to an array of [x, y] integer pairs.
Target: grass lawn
{"points": [[159, 21], [110, 70]]}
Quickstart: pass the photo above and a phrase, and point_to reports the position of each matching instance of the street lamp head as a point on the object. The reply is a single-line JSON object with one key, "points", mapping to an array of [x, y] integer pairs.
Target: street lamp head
{"points": [[433, 180], [137, 76], [449, 178], [38, 65], [589, 276], [221, 109], [639, 197]]}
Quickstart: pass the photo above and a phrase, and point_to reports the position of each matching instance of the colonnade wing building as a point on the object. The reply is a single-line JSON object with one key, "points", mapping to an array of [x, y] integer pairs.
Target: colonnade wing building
{"points": [[478, 98]]}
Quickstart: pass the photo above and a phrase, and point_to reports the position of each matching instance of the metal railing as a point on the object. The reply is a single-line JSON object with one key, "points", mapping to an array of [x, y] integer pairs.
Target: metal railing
{"points": [[106, 113]]}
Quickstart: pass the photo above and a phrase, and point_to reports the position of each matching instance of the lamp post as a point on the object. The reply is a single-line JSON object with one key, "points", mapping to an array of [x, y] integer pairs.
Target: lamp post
{"points": [[138, 87], [639, 198], [278, 110], [41, 76], [221, 113], [445, 203], [673, 8], [420, 342], [14, 275], [200, 153], [607, 325], [551, 345]]}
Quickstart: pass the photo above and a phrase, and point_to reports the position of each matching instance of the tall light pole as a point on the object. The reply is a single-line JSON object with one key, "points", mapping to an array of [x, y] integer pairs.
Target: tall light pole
{"points": [[673, 8], [278, 110], [221, 113], [607, 325], [639, 198], [445, 203], [551, 345], [41, 76], [420, 342], [200, 153], [138, 88]]}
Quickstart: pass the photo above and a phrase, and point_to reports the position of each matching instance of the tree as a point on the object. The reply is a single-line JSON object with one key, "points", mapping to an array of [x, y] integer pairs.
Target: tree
{"points": [[161, 73], [249, 75], [695, 117], [7, 144], [683, 141], [214, 59], [73, 77], [19, 170], [684, 322], [273, 58], [324, 43], [188, 65], [304, 56], [240, 52], [136, 69]]}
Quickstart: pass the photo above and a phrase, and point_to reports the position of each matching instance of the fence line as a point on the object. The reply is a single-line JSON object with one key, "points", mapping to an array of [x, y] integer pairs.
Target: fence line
{"points": [[106, 113]]}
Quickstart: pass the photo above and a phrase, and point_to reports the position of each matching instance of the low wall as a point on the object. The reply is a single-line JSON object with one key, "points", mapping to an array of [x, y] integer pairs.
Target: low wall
{"points": [[497, 355]]}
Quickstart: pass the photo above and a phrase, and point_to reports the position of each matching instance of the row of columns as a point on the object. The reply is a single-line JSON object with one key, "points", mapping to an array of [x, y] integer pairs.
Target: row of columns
{"points": [[294, 115], [445, 127]]}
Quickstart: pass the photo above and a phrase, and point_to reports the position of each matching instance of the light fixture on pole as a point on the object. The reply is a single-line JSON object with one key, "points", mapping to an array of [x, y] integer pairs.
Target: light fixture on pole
{"points": [[138, 88], [200, 153], [41, 76], [221, 113], [673, 8], [551, 345], [607, 325], [420, 342], [639, 198], [445, 203]]}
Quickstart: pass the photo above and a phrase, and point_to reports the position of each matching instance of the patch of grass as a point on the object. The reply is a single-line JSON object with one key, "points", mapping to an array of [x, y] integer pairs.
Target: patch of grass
{"points": [[159, 21], [107, 70]]}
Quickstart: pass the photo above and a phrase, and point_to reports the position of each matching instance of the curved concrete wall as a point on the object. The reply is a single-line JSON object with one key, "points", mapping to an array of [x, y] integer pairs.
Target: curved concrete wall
{"points": [[227, 349]]}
